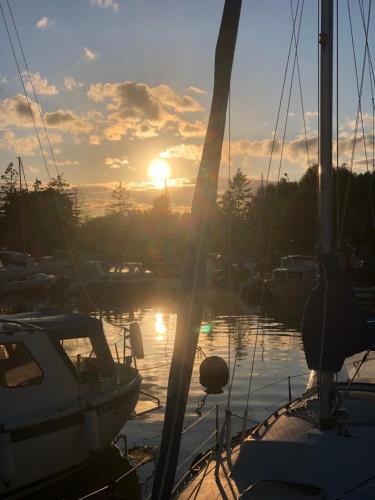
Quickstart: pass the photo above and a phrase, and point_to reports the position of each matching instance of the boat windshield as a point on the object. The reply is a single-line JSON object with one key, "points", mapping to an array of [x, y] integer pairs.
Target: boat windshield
{"points": [[18, 368], [82, 356]]}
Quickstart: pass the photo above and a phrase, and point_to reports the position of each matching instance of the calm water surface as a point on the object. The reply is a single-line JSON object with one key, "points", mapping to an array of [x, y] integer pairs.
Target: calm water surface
{"points": [[233, 336]]}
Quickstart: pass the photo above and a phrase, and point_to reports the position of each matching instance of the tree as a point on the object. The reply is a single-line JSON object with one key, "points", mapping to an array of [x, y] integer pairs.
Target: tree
{"points": [[237, 200], [121, 202], [9, 180], [161, 205]]}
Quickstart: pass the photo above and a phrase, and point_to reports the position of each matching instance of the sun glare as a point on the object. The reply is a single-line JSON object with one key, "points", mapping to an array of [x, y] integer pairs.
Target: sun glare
{"points": [[159, 170]]}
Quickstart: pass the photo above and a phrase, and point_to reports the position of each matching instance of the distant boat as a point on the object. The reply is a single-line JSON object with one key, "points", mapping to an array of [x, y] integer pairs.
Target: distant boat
{"points": [[36, 283], [63, 397], [122, 275], [19, 274], [294, 278]]}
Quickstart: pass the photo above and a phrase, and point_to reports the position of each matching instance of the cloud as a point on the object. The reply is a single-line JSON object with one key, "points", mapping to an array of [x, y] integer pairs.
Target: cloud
{"points": [[44, 23], [116, 162], [94, 140], [105, 4], [138, 110], [191, 152], [67, 163], [40, 84], [180, 104], [3, 79], [14, 111], [197, 90], [71, 84], [67, 120], [89, 54], [24, 145]]}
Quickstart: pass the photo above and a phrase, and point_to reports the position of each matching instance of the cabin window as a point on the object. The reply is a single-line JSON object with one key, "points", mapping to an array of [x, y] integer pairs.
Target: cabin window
{"points": [[83, 357], [17, 366], [125, 269]]}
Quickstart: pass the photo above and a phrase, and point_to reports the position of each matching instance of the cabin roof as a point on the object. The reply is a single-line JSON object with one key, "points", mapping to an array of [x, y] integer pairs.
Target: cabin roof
{"points": [[63, 326]]}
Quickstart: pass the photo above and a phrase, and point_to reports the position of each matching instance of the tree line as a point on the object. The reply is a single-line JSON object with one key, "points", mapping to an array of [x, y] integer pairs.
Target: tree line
{"points": [[278, 219]]}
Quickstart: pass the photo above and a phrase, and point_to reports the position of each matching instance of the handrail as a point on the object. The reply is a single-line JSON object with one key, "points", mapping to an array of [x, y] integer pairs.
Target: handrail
{"points": [[199, 420], [189, 457], [113, 483]]}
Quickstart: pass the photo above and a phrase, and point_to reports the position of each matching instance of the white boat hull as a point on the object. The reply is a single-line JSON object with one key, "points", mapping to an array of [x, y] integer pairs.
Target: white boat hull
{"points": [[46, 451]]}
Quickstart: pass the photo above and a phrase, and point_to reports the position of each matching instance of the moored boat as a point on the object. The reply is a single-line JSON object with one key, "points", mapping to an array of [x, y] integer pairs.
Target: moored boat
{"points": [[64, 398], [294, 278]]}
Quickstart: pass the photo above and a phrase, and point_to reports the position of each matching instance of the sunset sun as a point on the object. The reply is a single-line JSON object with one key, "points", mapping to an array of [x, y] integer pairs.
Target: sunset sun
{"points": [[159, 170]]}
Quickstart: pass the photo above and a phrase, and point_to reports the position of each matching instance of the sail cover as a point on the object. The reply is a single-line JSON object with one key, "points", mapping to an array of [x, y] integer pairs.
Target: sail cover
{"points": [[333, 326]]}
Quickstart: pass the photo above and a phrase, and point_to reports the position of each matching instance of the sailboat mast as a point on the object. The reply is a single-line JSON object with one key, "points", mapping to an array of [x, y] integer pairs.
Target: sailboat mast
{"points": [[325, 159], [22, 218], [325, 178], [190, 306]]}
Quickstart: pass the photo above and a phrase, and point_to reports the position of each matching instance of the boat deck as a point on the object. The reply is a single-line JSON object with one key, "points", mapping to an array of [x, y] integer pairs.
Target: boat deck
{"points": [[289, 457]]}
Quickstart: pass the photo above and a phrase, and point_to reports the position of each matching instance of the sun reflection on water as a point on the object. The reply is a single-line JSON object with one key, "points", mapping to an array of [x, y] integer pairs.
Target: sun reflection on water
{"points": [[160, 326]]}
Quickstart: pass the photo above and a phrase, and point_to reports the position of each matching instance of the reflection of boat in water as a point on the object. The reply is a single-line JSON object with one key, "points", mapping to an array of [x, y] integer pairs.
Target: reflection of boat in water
{"points": [[63, 397], [294, 279]]}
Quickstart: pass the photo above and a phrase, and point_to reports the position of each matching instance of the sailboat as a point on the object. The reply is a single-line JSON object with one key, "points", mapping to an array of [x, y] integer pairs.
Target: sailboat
{"points": [[320, 445]]}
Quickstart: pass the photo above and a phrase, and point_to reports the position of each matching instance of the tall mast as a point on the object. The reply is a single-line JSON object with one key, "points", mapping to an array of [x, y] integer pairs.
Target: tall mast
{"points": [[325, 160], [193, 277], [325, 177], [22, 215]]}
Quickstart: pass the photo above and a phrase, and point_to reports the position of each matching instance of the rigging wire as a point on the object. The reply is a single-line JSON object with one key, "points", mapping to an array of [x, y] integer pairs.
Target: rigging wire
{"points": [[337, 131], [299, 13], [45, 162], [260, 223], [359, 110], [34, 92], [370, 201], [25, 93], [289, 93]]}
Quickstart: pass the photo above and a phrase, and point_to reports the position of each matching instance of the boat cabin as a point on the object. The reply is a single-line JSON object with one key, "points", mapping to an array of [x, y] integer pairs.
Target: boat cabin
{"points": [[296, 267], [126, 272], [52, 362]]}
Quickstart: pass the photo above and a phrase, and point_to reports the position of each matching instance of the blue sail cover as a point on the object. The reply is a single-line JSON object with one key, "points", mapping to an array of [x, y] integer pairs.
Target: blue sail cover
{"points": [[333, 326]]}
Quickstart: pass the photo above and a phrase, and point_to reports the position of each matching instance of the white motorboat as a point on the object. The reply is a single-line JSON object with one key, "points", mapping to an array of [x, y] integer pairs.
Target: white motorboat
{"points": [[123, 275], [294, 278], [63, 397]]}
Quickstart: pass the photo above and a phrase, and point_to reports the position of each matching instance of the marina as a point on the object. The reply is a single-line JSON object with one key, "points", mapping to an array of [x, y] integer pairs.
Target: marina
{"points": [[189, 311]]}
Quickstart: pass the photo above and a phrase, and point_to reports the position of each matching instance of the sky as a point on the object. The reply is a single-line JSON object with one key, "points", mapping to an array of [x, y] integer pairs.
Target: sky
{"points": [[123, 82]]}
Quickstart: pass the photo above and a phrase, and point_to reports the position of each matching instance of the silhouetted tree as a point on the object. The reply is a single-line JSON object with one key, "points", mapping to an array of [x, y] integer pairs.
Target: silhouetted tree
{"points": [[121, 202], [237, 200]]}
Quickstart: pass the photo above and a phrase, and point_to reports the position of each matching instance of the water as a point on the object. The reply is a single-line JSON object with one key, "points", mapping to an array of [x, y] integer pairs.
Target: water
{"points": [[278, 355]]}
